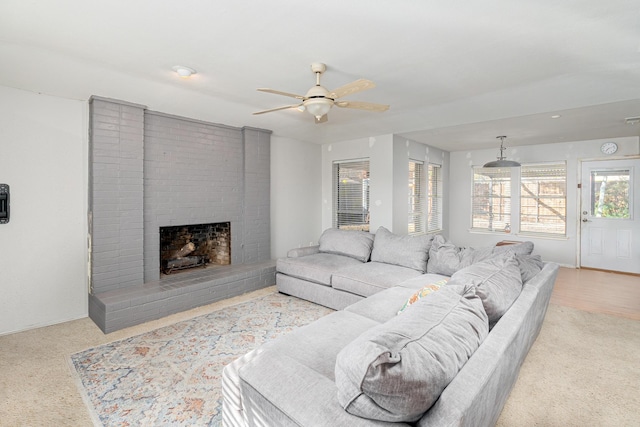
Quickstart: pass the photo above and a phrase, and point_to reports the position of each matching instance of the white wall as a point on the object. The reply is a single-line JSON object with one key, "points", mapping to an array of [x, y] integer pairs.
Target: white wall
{"points": [[403, 151], [379, 151], [43, 249], [295, 195], [560, 250], [388, 156]]}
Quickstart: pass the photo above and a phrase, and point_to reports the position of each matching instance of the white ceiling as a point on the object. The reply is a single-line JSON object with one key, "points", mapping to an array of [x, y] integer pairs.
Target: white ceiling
{"points": [[456, 73]]}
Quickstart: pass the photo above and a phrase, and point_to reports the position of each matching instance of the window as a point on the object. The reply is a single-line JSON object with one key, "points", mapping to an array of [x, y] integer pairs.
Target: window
{"points": [[416, 198], [491, 199], [351, 194], [543, 198], [539, 195], [434, 216]]}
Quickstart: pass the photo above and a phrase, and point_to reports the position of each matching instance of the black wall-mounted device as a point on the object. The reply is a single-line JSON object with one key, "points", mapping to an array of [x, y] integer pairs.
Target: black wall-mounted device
{"points": [[4, 203]]}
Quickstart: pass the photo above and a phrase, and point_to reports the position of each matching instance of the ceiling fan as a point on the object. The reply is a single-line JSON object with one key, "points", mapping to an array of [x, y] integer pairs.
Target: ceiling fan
{"points": [[318, 100]]}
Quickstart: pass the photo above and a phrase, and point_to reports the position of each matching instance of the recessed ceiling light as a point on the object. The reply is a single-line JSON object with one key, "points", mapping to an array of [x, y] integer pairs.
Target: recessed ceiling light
{"points": [[184, 72], [556, 116]]}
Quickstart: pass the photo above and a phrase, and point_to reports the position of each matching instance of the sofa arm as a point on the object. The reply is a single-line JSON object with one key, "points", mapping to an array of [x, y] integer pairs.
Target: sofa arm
{"points": [[307, 250]]}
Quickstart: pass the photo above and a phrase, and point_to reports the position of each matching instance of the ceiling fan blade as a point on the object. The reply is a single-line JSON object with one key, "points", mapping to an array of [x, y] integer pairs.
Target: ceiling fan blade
{"points": [[278, 92], [369, 106], [351, 88], [321, 119], [277, 109]]}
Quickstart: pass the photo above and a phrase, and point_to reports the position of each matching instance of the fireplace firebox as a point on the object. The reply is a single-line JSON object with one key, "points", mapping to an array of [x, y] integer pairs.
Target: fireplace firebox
{"points": [[185, 247]]}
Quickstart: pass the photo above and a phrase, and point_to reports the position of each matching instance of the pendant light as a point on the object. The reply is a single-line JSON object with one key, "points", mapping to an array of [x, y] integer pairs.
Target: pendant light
{"points": [[502, 161]]}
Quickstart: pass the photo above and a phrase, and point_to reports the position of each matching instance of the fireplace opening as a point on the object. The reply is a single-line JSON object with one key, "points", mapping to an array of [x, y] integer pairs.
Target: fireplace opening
{"points": [[185, 247]]}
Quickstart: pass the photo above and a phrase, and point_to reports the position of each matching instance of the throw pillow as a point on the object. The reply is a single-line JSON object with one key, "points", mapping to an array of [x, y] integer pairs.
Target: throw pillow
{"points": [[395, 371], [351, 243], [423, 292], [406, 251], [498, 281], [445, 258]]}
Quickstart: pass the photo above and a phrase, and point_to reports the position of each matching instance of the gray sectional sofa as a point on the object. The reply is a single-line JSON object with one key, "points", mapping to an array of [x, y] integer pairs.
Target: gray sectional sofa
{"points": [[425, 334]]}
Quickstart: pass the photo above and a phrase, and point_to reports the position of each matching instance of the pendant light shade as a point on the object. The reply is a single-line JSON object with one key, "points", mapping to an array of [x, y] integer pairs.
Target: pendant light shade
{"points": [[502, 161]]}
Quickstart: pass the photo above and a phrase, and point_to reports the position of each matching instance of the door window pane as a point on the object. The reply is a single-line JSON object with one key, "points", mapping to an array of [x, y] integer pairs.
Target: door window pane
{"points": [[610, 193]]}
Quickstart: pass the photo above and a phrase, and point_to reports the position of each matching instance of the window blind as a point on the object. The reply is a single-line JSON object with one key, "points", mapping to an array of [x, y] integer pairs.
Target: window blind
{"points": [[435, 193], [351, 194], [416, 198]]}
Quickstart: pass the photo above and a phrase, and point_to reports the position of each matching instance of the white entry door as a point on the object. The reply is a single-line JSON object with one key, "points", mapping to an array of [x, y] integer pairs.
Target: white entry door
{"points": [[610, 215]]}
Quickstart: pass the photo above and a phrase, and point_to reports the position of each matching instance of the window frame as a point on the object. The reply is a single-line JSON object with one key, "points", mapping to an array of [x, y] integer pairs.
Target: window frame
{"points": [[359, 177], [417, 213], [504, 181], [517, 199], [554, 209], [435, 194]]}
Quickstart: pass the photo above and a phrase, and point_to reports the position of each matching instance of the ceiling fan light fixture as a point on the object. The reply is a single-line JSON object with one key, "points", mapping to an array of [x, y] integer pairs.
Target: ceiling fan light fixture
{"points": [[502, 161], [318, 100], [318, 107]]}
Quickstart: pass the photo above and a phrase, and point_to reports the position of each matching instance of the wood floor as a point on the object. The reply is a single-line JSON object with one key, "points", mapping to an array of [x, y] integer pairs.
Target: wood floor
{"points": [[598, 291]]}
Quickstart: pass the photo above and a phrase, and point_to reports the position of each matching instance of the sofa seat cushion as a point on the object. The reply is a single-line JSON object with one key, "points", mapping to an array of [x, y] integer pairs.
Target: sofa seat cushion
{"points": [[422, 280], [406, 251], [395, 371], [382, 306], [295, 373], [317, 344], [316, 268], [423, 292], [371, 277]]}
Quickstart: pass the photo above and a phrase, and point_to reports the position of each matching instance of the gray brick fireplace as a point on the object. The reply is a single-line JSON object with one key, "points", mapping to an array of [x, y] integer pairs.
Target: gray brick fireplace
{"points": [[149, 171]]}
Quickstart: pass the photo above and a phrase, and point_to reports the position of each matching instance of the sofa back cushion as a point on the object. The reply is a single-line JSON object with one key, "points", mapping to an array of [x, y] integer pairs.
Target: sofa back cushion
{"points": [[523, 248], [406, 251], [351, 243], [445, 258], [395, 371], [498, 280], [530, 265]]}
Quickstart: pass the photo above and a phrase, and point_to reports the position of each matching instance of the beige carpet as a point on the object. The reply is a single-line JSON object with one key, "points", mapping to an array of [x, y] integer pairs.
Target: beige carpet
{"points": [[584, 370]]}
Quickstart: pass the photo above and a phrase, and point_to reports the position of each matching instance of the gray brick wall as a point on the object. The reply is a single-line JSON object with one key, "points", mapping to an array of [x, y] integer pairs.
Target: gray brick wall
{"points": [[149, 170], [193, 175], [257, 207], [116, 221]]}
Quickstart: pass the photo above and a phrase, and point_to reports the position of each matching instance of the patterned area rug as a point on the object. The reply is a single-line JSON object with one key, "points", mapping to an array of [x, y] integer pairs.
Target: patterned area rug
{"points": [[172, 376]]}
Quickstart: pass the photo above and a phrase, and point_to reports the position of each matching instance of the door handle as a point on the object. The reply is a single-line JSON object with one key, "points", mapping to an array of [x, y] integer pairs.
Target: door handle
{"points": [[585, 220]]}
